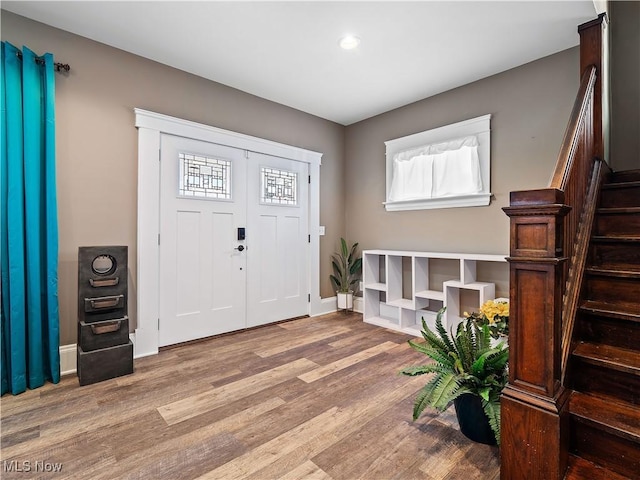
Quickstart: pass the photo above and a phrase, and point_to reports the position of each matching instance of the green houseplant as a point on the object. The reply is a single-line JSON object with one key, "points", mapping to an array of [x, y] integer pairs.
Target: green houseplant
{"points": [[347, 265], [465, 366]]}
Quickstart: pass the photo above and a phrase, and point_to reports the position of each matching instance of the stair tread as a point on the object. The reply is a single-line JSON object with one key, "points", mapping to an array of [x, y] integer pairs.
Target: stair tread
{"points": [[611, 271], [616, 417], [581, 469], [624, 176], [616, 358], [617, 210], [611, 310], [614, 185], [615, 238]]}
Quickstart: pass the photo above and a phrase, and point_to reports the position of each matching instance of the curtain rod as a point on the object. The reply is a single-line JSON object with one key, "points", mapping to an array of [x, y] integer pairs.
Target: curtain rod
{"points": [[58, 66]]}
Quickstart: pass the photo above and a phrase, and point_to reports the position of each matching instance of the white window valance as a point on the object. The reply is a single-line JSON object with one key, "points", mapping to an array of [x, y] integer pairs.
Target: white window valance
{"points": [[439, 170], [444, 167]]}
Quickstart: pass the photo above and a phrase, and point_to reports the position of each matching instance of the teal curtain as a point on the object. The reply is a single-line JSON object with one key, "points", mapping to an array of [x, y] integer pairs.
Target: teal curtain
{"points": [[29, 224]]}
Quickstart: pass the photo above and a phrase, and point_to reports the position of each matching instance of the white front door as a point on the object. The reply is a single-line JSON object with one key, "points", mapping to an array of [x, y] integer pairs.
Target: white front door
{"points": [[277, 261], [202, 274], [211, 280]]}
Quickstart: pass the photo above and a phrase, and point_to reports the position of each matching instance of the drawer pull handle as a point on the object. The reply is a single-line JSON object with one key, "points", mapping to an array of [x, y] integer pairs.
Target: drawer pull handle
{"points": [[105, 302], [104, 282], [106, 327]]}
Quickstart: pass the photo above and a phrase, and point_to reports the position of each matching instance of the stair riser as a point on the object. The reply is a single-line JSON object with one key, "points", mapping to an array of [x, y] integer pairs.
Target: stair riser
{"points": [[594, 379], [615, 453], [620, 197], [618, 224], [624, 176], [615, 254], [614, 290], [611, 331]]}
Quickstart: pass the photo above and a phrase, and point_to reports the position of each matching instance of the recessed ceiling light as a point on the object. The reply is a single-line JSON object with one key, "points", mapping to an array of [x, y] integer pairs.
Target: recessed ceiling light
{"points": [[349, 42]]}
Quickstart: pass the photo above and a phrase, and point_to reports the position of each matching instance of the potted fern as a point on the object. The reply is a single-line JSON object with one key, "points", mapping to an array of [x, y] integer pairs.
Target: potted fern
{"points": [[468, 372], [346, 273]]}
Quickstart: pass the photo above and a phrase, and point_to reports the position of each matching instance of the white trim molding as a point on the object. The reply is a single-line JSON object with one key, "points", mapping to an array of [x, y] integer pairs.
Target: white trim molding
{"points": [[327, 305], [68, 359], [330, 305], [358, 304], [150, 127], [480, 127]]}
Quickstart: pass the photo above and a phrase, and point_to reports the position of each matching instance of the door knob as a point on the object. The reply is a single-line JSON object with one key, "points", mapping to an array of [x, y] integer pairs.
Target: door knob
{"points": [[239, 248]]}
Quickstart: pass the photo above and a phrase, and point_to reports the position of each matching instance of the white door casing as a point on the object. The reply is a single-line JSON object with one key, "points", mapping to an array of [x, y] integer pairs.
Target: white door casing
{"points": [[150, 127]]}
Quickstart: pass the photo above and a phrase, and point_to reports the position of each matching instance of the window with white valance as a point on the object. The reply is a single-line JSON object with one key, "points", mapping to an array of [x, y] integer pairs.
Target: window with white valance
{"points": [[444, 167]]}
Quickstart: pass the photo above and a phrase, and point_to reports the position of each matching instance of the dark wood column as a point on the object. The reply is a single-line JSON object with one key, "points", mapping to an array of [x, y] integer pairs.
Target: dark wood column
{"points": [[533, 403], [592, 53]]}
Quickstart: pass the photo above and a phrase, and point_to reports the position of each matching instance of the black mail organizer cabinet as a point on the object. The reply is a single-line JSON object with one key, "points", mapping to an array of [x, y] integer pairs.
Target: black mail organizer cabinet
{"points": [[104, 348]]}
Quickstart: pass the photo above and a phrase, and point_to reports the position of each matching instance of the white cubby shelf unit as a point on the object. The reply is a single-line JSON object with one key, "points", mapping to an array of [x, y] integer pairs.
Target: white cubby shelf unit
{"points": [[385, 305]]}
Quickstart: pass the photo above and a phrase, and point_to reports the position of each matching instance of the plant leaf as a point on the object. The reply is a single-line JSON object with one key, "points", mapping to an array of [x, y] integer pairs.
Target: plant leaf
{"points": [[417, 370], [492, 411], [484, 393], [444, 336], [352, 252], [344, 249], [422, 399], [356, 266], [442, 394]]}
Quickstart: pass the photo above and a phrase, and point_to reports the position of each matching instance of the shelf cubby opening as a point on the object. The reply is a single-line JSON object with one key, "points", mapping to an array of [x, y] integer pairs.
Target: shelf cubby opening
{"points": [[429, 313], [372, 267], [441, 270], [399, 281], [496, 273]]}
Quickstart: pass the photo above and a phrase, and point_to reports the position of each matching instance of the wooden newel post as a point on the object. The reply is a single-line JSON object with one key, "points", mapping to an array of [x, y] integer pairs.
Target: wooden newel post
{"points": [[533, 403], [592, 53]]}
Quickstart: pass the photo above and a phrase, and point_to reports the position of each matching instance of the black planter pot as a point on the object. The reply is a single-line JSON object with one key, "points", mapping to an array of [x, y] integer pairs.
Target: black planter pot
{"points": [[474, 424]]}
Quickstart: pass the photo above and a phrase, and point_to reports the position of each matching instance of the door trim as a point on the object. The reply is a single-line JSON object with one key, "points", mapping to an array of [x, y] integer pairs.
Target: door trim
{"points": [[150, 126]]}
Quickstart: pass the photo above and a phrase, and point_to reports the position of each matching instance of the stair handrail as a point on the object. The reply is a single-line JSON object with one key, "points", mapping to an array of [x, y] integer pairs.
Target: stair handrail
{"points": [[566, 156]]}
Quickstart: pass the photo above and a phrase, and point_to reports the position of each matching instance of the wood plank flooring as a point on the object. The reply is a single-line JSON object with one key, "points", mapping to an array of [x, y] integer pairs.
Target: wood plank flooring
{"points": [[314, 398]]}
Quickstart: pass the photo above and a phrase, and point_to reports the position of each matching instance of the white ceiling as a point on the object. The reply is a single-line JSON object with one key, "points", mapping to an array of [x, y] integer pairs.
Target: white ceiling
{"points": [[288, 51]]}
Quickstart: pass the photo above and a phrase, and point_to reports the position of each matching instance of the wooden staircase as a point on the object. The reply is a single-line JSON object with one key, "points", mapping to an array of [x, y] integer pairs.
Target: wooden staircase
{"points": [[604, 369], [571, 408]]}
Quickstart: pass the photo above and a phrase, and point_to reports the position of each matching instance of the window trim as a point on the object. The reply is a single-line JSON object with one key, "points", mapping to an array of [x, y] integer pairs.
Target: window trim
{"points": [[480, 127]]}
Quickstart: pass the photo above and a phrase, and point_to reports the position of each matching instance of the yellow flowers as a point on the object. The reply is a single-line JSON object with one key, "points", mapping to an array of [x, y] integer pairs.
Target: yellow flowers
{"points": [[494, 314], [493, 308]]}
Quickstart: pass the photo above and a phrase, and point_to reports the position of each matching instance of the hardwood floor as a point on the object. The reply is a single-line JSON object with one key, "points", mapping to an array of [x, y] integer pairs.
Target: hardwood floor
{"points": [[313, 398]]}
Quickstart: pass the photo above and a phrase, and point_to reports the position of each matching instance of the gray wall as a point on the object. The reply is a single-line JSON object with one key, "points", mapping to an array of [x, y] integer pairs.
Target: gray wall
{"points": [[97, 144], [97, 150], [530, 107], [625, 84]]}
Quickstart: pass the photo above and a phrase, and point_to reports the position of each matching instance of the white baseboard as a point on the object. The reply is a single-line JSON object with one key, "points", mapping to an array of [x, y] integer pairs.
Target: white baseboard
{"points": [[330, 305], [358, 304], [68, 359], [327, 305]]}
